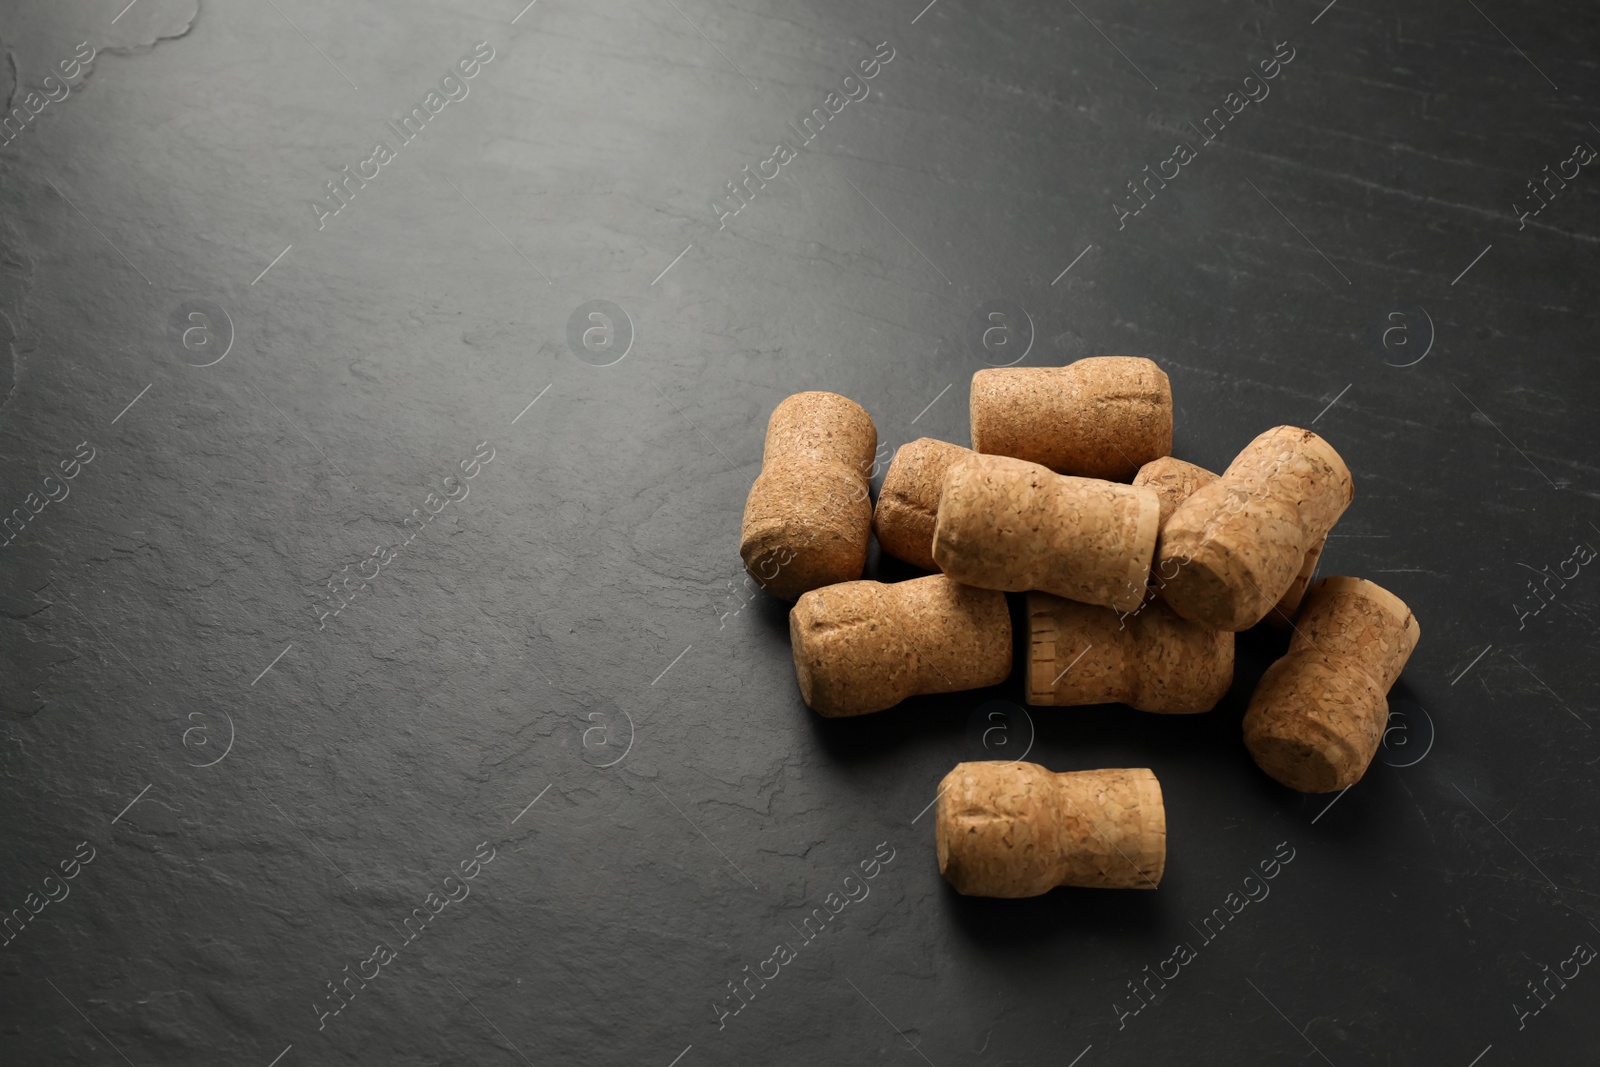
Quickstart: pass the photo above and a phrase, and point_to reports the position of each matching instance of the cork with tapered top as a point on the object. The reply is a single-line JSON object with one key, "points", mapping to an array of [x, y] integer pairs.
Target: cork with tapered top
{"points": [[1099, 417], [1234, 547], [808, 519], [1174, 481], [1148, 659], [1318, 715], [861, 647], [908, 503], [1009, 524], [1005, 829]]}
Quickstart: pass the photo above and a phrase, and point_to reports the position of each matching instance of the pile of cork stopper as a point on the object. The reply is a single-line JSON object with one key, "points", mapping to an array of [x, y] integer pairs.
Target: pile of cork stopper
{"points": [[1137, 569]]}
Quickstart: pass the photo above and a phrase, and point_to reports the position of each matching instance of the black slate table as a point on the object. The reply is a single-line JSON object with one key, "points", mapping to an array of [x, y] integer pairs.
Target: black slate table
{"points": [[382, 389]]}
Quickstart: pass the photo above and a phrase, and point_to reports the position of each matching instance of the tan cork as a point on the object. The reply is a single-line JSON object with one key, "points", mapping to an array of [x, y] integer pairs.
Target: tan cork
{"points": [[1098, 418], [1017, 830], [808, 519], [908, 503], [1319, 713], [861, 647], [1174, 480], [1234, 547], [1150, 659], [1013, 525]]}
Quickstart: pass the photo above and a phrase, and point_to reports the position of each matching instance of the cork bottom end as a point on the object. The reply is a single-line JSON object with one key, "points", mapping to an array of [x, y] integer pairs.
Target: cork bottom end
{"points": [[1306, 766]]}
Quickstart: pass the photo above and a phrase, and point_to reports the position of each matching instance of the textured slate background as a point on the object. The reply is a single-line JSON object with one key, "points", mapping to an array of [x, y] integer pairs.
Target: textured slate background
{"points": [[266, 799]]}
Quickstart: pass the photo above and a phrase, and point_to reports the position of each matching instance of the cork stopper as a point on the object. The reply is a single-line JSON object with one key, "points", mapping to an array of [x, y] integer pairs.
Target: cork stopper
{"points": [[1234, 547], [808, 519], [1151, 659], [1019, 830], [861, 647], [908, 503], [1174, 481], [1318, 715], [1098, 418], [1009, 524]]}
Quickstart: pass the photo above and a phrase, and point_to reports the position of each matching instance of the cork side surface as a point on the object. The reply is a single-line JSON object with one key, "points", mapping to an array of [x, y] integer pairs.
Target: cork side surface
{"points": [[808, 518], [908, 504], [1235, 546], [1100, 417], [1013, 525]]}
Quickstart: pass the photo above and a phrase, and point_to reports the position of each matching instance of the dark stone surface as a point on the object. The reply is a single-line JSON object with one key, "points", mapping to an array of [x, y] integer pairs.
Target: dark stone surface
{"points": [[265, 797]]}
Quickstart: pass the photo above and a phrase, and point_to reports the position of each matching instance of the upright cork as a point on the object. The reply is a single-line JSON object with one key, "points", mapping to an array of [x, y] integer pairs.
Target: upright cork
{"points": [[1150, 660], [1318, 714], [861, 647], [808, 519], [1098, 418], [1018, 830], [1174, 481], [908, 503], [1234, 547], [1013, 525]]}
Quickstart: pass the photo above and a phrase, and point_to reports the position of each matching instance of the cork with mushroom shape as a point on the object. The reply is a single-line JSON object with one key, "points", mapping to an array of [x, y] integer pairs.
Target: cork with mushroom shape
{"points": [[908, 503], [1099, 417], [1318, 714], [1234, 547], [861, 647], [808, 518], [1005, 829], [1174, 481], [1149, 659], [1009, 524]]}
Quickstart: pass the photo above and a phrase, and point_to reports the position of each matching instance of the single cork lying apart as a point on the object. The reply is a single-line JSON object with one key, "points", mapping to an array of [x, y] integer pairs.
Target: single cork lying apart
{"points": [[908, 503], [1318, 714], [808, 519], [1150, 660], [1017, 830], [861, 647], [1234, 547], [1009, 524], [1174, 481], [1099, 417]]}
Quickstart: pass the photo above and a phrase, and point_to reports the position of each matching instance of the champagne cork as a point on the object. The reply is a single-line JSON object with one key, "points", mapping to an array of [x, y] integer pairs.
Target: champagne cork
{"points": [[808, 519], [1234, 547], [1150, 660], [908, 503], [1098, 418], [1318, 714], [861, 647], [1018, 830], [1175, 481], [1013, 525]]}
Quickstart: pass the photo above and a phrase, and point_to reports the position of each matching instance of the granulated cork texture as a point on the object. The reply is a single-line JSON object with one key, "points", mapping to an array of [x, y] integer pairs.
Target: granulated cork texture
{"points": [[1318, 714], [1013, 525], [908, 503], [1151, 660], [1174, 481], [808, 519], [1235, 546], [861, 647], [1005, 829], [1100, 417]]}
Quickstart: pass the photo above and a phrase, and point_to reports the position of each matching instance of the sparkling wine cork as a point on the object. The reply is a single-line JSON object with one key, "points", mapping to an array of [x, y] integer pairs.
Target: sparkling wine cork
{"points": [[1234, 547], [1099, 417], [861, 647], [1150, 659], [1174, 481], [1017, 830], [908, 503], [808, 519], [1318, 714], [1013, 525]]}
